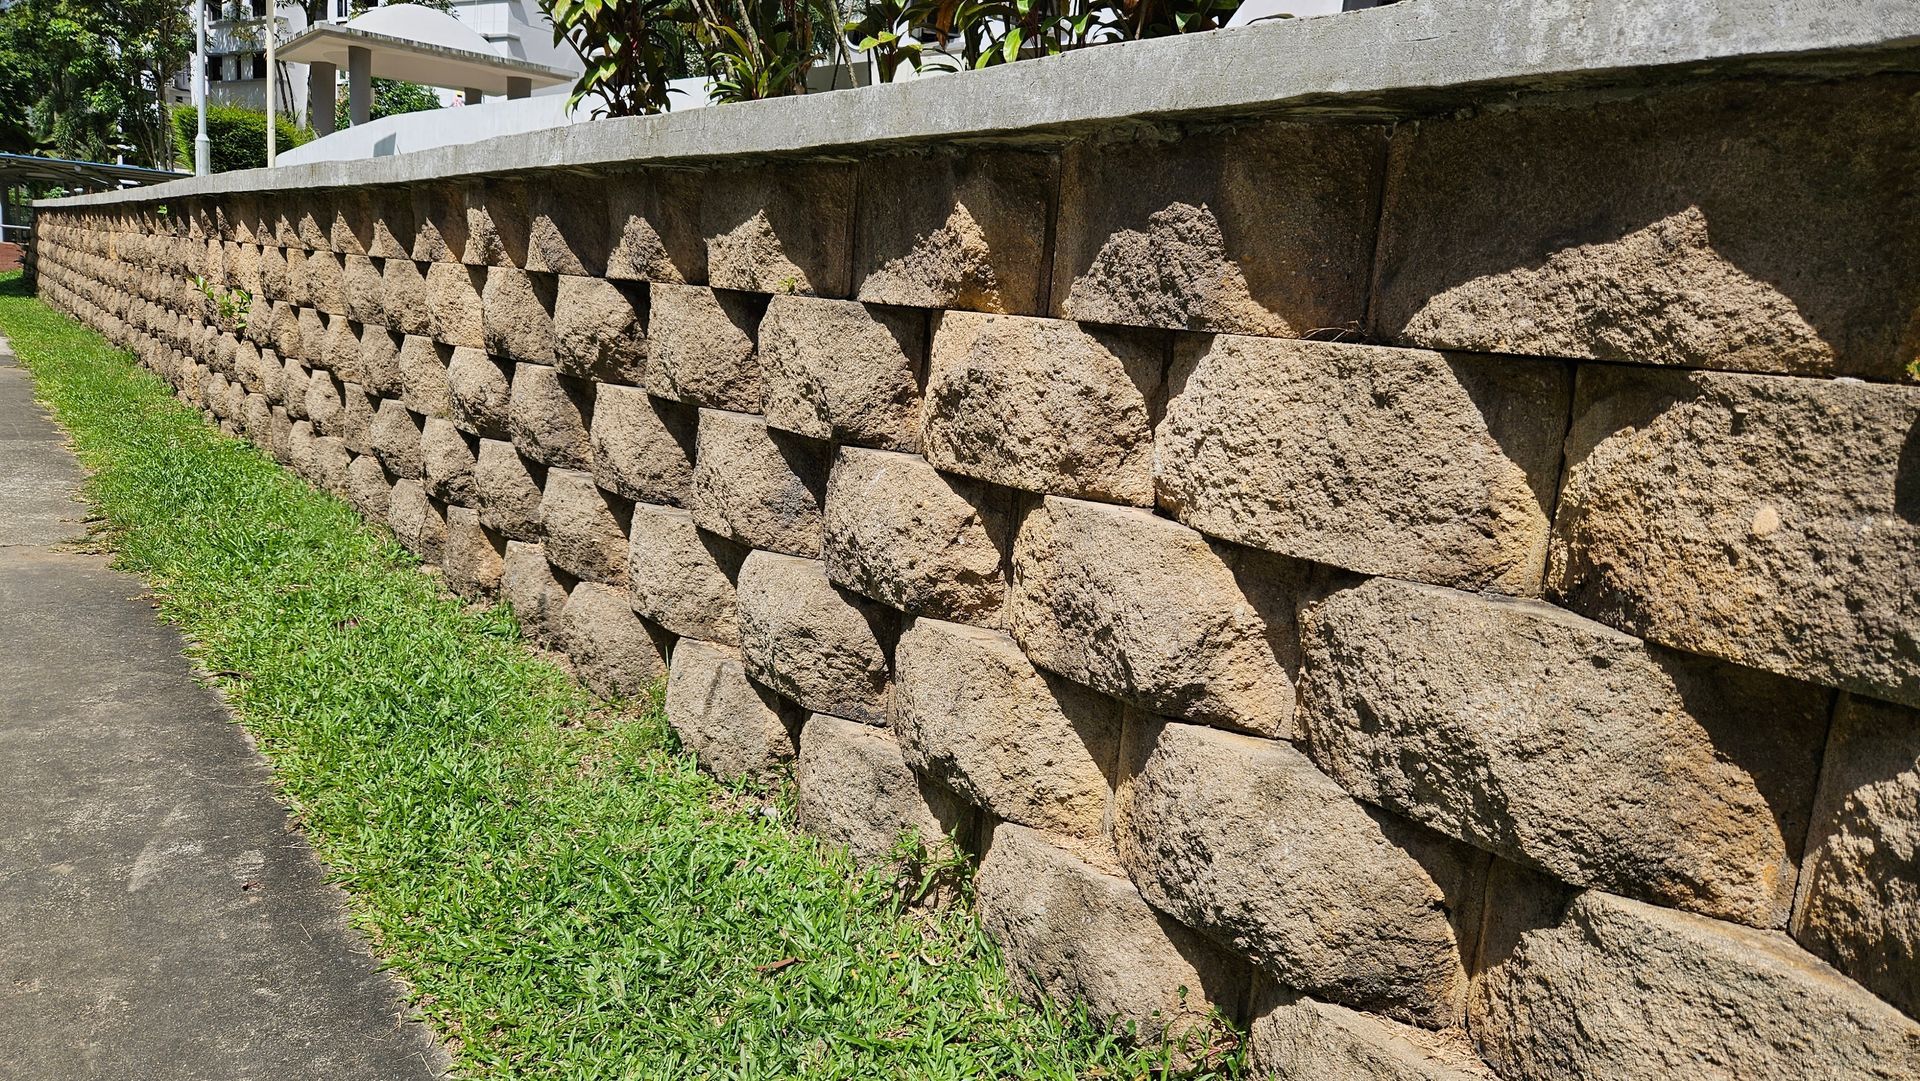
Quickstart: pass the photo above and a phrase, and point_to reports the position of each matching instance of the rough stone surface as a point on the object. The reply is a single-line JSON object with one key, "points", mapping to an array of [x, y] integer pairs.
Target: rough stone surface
{"points": [[404, 297], [447, 460], [1774, 522], [1621, 989], [855, 790], [736, 730], [1075, 933], [368, 489], [361, 289], [396, 438], [1550, 739], [653, 218], [955, 230], [583, 528], [1149, 611], [423, 377], [598, 330], [845, 371], [379, 362], [528, 584], [508, 488], [475, 558], [1417, 464], [568, 232], [899, 531], [811, 641], [517, 314], [615, 654], [480, 389], [550, 416], [416, 522], [1244, 839], [454, 304], [974, 714], [642, 446], [1678, 228], [1295, 1038], [702, 347], [780, 228], [1265, 229], [1860, 888], [683, 576], [759, 487], [1044, 405]]}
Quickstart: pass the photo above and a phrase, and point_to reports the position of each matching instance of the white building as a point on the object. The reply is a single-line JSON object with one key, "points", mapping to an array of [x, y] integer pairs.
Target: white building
{"points": [[237, 60]]}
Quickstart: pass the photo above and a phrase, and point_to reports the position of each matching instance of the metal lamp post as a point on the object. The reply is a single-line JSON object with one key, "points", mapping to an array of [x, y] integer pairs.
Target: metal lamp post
{"points": [[273, 19], [202, 147]]}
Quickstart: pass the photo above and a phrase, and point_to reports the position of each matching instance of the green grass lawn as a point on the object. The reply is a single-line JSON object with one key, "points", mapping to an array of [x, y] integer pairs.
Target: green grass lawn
{"points": [[566, 896]]}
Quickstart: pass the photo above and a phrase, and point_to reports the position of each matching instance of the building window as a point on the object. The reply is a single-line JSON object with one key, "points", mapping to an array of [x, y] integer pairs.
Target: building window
{"points": [[259, 65], [259, 8], [339, 9], [213, 68]]}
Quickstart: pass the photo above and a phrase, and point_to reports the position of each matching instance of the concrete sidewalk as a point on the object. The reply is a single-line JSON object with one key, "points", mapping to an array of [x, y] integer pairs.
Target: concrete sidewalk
{"points": [[160, 918]]}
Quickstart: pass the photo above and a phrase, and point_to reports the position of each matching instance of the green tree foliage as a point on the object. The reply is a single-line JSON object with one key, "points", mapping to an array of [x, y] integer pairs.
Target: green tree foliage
{"points": [[236, 136], [87, 78], [390, 98]]}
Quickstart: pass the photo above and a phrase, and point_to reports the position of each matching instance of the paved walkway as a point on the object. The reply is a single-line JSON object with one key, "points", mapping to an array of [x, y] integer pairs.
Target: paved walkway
{"points": [[159, 917]]}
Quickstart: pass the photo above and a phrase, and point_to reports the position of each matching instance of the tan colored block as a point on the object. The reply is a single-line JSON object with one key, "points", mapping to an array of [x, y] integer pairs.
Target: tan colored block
{"points": [[480, 390], [447, 463], [682, 576], [404, 297], [737, 731], [810, 641], [1044, 405], [702, 347], [424, 386], [855, 790], [569, 233], [899, 531], [508, 487], [955, 230], [614, 653], [454, 306], [1432, 466], [396, 439], [475, 559], [528, 584], [841, 370], [583, 528], [758, 487], [642, 446], [784, 228], [599, 330], [517, 314], [550, 416], [653, 218]]}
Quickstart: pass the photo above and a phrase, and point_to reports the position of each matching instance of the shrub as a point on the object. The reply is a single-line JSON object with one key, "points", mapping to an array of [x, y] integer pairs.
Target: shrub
{"points": [[237, 136]]}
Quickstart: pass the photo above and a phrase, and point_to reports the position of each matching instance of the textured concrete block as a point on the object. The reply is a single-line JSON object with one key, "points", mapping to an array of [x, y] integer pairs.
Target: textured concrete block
{"points": [[1621, 989], [702, 347], [1044, 405], [1528, 731], [313, 333], [1284, 849], [439, 221], [454, 306], [683, 576], [780, 228], [480, 388], [1262, 229], [423, 377], [1682, 227], [1860, 888], [642, 446], [1151, 612], [583, 528], [974, 714], [568, 233], [475, 558], [395, 435], [379, 362], [840, 370], [759, 487], [855, 790], [404, 297], [614, 653], [508, 487], [738, 731], [1294, 1038], [599, 330], [1421, 465], [527, 583], [355, 423], [499, 219], [362, 289], [447, 461], [341, 352], [962, 230], [416, 522], [391, 212], [1074, 933], [324, 403], [1770, 521], [899, 531], [326, 282], [653, 218], [811, 641], [329, 464], [369, 489], [517, 314], [550, 416]]}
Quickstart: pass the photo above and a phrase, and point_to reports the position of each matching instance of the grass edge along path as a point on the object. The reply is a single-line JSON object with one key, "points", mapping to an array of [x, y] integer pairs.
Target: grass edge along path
{"points": [[565, 895]]}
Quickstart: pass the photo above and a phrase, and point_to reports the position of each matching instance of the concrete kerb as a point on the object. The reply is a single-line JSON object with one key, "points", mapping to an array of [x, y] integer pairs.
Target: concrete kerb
{"points": [[1412, 58]]}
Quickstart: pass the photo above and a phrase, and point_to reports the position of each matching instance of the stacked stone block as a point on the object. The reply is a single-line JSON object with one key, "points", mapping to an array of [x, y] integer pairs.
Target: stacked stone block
{"points": [[1445, 596]]}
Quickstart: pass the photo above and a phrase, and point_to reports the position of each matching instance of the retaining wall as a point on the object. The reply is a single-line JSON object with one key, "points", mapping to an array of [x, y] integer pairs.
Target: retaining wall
{"points": [[1439, 583]]}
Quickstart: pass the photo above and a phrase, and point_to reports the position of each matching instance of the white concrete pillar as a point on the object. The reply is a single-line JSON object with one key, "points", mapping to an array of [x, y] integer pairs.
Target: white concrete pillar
{"points": [[321, 96], [359, 84]]}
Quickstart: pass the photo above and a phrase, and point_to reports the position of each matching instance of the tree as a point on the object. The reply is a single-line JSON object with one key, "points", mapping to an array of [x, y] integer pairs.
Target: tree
{"points": [[87, 78], [390, 98]]}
